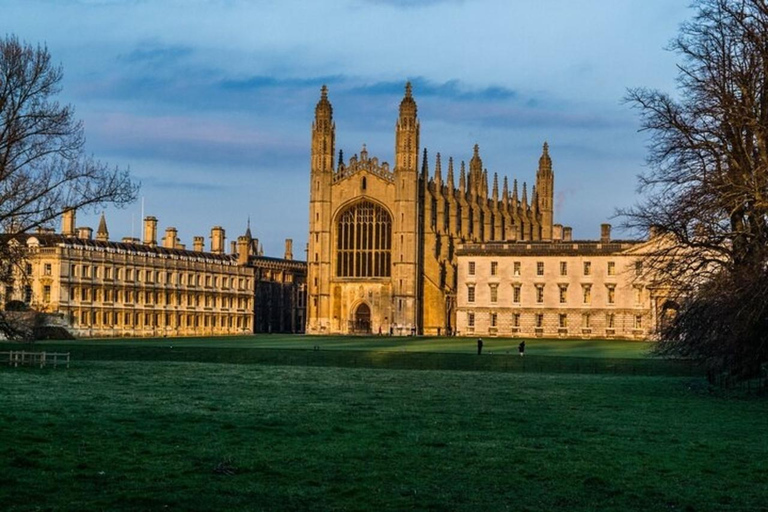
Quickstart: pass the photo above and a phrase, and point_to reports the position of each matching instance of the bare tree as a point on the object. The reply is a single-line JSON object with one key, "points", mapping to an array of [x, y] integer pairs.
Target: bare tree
{"points": [[706, 190], [44, 169]]}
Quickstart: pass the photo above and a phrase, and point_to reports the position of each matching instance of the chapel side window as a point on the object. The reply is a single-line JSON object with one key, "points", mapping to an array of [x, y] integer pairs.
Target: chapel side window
{"points": [[364, 241]]}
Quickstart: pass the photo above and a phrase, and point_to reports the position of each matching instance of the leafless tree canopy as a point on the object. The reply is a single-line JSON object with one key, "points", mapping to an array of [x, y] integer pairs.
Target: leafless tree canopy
{"points": [[708, 175], [43, 167]]}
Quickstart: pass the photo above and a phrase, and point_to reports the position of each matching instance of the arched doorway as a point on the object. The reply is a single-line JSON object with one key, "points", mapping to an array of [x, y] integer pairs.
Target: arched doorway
{"points": [[362, 320]]}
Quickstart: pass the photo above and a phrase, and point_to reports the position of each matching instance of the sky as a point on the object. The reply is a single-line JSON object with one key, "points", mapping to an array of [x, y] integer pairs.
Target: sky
{"points": [[209, 103]]}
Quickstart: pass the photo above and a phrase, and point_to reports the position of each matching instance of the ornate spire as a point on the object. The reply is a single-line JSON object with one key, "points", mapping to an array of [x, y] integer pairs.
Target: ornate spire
{"points": [[425, 166], [476, 171], [545, 162], [525, 196], [495, 188], [102, 233], [451, 185], [341, 158], [462, 179], [408, 105], [323, 108], [248, 229], [505, 193], [515, 199], [438, 171], [484, 184], [534, 199]]}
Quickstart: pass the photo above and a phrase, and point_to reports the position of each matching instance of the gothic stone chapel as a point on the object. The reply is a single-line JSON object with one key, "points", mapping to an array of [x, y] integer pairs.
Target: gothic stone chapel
{"points": [[382, 241]]}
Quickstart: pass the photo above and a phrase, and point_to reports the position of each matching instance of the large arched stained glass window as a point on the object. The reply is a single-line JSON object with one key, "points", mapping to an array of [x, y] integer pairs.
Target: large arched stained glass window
{"points": [[364, 241]]}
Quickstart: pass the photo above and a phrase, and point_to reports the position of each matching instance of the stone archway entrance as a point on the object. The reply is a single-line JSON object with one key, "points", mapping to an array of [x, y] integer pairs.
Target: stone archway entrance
{"points": [[361, 322]]}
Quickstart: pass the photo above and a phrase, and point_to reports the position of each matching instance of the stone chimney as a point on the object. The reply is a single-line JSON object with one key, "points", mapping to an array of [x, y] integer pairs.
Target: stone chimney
{"points": [[169, 241], [84, 233], [288, 249], [150, 231], [68, 223], [130, 240], [217, 240], [567, 234], [242, 250], [605, 233], [557, 232], [198, 243], [233, 247]]}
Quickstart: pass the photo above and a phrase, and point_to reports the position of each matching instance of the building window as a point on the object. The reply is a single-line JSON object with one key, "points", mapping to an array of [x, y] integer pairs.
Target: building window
{"points": [[471, 268], [638, 295], [539, 320], [563, 268], [540, 293], [539, 268], [638, 268], [638, 321], [47, 293], [516, 320], [586, 321], [586, 290], [471, 319], [494, 268], [611, 290], [494, 319], [611, 268], [470, 294], [563, 293], [610, 320], [516, 268], [494, 293], [516, 294], [364, 241], [47, 268], [587, 268], [563, 320]]}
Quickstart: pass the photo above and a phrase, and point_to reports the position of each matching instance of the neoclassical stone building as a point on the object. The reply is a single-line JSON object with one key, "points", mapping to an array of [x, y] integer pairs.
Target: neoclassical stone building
{"points": [[100, 287], [382, 240], [563, 288]]}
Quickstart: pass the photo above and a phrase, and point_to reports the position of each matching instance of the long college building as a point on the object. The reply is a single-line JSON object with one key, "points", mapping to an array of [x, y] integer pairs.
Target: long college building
{"points": [[99, 287], [382, 240]]}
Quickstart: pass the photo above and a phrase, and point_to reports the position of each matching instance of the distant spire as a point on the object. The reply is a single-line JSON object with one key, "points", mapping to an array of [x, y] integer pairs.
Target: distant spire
{"points": [[534, 199], [438, 171], [515, 199], [462, 179], [545, 162], [495, 187], [525, 196], [425, 166], [323, 108], [102, 234], [505, 193], [451, 185], [248, 229], [408, 105], [484, 184], [341, 158]]}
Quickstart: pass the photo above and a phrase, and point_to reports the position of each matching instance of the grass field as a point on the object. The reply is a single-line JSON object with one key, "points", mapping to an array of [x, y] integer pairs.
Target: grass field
{"points": [[191, 435]]}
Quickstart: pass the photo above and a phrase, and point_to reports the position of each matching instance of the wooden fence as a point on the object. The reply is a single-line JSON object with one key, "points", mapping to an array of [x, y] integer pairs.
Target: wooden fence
{"points": [[23, 358]]}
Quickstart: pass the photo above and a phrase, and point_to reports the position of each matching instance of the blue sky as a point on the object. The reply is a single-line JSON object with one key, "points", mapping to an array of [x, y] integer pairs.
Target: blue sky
{"points": [[210, 102]]}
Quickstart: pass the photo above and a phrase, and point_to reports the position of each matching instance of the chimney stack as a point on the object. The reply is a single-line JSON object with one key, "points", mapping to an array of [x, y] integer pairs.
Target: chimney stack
{"points": [[288, 249], [217, 240], [169, 241], [84, 233], [68, 222], [567, 234], [557, 232], [605, 233], [198, 243], [150, 231], [233, 247], [242, 250]]}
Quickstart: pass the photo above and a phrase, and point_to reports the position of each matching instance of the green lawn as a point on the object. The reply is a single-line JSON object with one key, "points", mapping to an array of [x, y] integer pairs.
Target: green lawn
{"points": [[167, 435], [555, 347]]}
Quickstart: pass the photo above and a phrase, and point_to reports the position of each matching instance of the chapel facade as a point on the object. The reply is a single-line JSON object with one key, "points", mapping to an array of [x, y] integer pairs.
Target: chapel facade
{"points": [[381, 254]]}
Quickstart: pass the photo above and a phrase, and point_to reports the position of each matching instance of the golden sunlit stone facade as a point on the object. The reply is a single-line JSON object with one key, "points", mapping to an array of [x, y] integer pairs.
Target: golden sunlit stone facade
{"points": [[97, 287], [382, 241], [574, 289]]}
